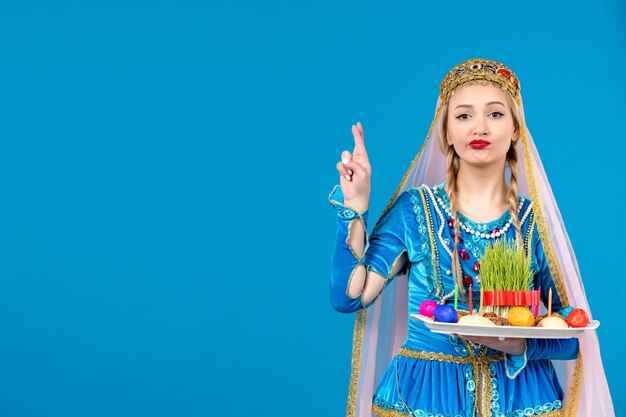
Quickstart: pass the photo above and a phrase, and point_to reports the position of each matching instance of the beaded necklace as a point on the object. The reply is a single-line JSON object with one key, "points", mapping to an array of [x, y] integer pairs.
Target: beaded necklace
{"points": [[493, 234]]}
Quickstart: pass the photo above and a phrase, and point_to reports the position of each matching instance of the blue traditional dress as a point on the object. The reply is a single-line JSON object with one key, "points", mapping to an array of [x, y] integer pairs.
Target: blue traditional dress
{"points": [[439, 375]]}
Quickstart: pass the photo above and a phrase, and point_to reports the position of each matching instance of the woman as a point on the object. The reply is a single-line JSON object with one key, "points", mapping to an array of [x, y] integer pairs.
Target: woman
{"points": [[435, 236]]}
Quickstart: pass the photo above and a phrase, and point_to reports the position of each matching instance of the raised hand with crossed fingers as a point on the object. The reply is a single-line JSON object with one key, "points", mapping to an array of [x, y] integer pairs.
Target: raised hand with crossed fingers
{"points": [[355, 172]]}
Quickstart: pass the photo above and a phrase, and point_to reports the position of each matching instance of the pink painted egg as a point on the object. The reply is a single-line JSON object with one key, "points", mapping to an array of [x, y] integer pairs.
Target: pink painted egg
{"points": [[427, 308]]}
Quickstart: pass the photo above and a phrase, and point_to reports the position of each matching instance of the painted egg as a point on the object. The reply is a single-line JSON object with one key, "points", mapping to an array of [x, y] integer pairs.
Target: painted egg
{"points": [[521, 316], [578, 318], [553, 322], [565, 312], [446, 314], [427, 308]]}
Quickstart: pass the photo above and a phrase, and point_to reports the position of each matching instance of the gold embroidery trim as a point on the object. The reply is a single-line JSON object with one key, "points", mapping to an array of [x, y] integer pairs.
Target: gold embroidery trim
{"points": [[553, 263], [553, 413], [477, 371], [431, 237], [573, 397], [445, 357], [386, 413], [485, 388], [357, 344]]}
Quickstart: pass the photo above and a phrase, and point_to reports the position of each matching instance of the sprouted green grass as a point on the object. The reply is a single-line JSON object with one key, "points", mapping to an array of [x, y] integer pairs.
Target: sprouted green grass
{"points": [[504, 267]]}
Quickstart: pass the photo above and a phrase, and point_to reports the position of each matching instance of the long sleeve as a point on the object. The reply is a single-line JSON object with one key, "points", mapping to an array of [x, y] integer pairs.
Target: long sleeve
{"points": [[557, 349], [537, 349], [344, 261], [382, 251]]}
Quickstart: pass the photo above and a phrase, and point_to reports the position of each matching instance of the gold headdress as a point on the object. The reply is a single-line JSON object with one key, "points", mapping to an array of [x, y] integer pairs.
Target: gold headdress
{"points": [[477, 71]]}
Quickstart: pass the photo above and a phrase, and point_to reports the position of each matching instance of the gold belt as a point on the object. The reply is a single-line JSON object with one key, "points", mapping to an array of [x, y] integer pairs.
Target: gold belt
{"points": [[444, 357]]}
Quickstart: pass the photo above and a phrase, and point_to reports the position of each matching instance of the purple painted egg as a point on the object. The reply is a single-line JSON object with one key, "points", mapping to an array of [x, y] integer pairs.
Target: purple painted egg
{"points": [[446, 314], [427, 308]]}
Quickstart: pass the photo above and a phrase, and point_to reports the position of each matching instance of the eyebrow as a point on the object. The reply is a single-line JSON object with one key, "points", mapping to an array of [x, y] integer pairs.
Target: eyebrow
{"points": [[488, 104]]}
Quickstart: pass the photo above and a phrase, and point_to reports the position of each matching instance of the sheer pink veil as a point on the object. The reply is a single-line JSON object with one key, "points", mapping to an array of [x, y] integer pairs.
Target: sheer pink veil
{"points": [[380, 330]]}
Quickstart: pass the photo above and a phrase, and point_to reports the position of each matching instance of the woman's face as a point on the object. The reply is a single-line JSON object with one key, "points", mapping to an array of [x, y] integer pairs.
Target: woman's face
{"points": [[480, 124]]}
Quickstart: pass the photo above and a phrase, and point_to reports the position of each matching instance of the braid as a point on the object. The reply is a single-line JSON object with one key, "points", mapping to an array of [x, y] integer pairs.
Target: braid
{"points": [[512, 194], [451, 175]]}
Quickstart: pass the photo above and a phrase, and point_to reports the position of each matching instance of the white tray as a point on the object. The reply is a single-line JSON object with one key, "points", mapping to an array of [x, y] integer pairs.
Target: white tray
{"points": [[504, 331]]}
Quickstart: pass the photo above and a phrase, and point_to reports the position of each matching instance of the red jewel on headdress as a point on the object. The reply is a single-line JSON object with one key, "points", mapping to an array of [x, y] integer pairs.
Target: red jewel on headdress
{"points": [[458, 239], [464, 255], [508, 75], [451, 223], [467, 280], [504, 72], [476, 267]]}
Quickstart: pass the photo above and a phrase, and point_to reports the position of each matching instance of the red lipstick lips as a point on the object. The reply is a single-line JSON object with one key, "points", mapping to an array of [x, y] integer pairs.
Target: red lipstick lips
{"points": [[478, 144]]}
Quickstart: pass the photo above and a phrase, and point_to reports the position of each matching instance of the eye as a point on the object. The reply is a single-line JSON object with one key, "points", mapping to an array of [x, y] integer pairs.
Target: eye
{"points": [[496, 114], [463, 116]]}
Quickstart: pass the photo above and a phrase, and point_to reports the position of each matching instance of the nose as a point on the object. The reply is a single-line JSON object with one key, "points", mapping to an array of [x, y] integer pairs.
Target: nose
{"points": [[481, 126]]}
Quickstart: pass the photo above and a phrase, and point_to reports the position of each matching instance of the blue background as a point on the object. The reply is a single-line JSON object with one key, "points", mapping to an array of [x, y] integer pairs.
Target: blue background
{"points": [[165, 234]]}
